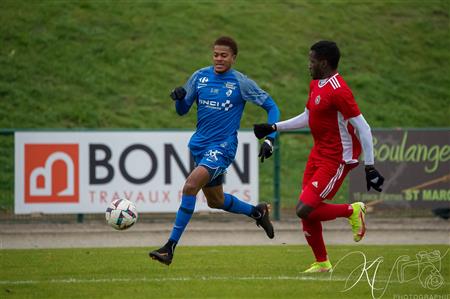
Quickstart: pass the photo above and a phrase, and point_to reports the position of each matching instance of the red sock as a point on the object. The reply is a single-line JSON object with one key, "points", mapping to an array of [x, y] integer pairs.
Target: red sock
{"points": [[313, 235], [325, 212]]}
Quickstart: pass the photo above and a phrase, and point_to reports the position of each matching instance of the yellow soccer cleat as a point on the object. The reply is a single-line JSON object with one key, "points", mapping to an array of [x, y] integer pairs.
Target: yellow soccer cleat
{"points": [[357, 222], [319, 267]]}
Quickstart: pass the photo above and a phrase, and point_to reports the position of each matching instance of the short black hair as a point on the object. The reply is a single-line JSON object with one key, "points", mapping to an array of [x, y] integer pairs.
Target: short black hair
{"points": [[227, 41], [327, 50]]}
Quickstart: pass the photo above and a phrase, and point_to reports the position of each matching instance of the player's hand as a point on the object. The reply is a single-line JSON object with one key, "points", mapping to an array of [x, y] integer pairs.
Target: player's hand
{"points": [[262, 130], [266, 149], [178, 94], [374, 178]]}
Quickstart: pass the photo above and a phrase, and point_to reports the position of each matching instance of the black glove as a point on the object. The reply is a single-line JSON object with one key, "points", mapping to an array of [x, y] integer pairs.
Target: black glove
{"points": [[266, 149], [178, 94], [373, 178], [262, 130]]}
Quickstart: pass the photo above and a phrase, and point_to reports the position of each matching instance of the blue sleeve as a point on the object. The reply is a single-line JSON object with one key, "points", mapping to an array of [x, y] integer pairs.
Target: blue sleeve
{"points": [[273, 113], [250, 91], [182, 107]]}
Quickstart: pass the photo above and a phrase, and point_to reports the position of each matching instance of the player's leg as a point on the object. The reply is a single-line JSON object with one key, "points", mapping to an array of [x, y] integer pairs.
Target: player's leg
{"points": [[312, 230], [310, 204], [217, 161], [217, 199], [328, 179], [324, 184], [303, 208], [311, 209], [314, 237], [198, 178], [355, 213], [327, 212]]}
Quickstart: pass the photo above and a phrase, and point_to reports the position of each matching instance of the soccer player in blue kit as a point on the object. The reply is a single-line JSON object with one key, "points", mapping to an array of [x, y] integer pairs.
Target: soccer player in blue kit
{"points": [[220, 93]]}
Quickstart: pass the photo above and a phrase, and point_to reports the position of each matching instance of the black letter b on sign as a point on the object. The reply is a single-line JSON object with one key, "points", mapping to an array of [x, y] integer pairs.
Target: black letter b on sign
{"points": [[93, 164]]}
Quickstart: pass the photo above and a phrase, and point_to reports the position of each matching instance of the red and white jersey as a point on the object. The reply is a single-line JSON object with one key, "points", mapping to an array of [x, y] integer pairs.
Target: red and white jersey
{"points": [[330, 105]]}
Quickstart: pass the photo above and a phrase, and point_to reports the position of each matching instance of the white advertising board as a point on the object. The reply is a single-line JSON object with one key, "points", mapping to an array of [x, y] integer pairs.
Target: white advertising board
{"points": [[81, 172]]}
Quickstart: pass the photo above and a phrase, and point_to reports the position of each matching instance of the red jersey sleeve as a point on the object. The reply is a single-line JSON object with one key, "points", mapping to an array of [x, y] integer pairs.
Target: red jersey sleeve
{"points": [[345, 103]]}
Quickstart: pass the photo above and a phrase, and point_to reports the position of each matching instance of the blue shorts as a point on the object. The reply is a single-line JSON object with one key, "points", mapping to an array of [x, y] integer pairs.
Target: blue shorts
{"points": [[216, 160]]}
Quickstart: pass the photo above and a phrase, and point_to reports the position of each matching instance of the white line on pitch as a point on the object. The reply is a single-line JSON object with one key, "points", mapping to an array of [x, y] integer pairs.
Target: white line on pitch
{"points": [[166, 279]]}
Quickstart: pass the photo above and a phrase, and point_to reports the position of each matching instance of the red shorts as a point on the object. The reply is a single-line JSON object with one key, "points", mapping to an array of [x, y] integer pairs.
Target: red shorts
{"points": [[322, 179]]}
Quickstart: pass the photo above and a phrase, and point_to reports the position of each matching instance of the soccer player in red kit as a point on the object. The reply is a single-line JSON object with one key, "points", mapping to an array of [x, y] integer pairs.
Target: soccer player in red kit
{"points": [[340, 133]]}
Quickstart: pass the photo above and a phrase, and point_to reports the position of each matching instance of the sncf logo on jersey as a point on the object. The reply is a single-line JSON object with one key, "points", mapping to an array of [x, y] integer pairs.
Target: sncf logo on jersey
{"points": [[216, 104], [51, 173]]}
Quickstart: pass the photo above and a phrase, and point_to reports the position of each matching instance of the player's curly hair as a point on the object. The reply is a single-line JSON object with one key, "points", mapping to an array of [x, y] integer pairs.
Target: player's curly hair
{"points": [[327, 50], [227, 41]]}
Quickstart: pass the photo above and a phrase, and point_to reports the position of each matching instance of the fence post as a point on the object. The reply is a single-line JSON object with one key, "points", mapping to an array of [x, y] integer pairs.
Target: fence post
{"points": [[80, 218], [7, 170], [276, 178]]}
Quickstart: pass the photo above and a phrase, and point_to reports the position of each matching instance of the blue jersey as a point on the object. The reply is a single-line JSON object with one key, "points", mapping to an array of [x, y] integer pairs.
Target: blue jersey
{"points": [[220, 100]]}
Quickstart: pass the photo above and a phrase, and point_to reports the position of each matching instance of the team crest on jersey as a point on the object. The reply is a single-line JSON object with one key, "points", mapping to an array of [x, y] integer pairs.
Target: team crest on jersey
{"points": [[317, 100], [230, 85]]}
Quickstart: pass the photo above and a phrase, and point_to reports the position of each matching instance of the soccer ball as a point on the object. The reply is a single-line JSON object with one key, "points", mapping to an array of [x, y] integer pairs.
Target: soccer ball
{"points": [[121, 214]]}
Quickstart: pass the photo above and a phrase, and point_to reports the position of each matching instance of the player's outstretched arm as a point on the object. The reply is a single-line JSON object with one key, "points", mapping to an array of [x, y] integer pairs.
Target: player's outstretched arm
{"points": [[373, 178], [298, 122]]}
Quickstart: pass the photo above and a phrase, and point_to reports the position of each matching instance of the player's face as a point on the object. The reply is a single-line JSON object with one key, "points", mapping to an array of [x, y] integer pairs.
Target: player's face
{"points": [[223, 58], [316, 67]]}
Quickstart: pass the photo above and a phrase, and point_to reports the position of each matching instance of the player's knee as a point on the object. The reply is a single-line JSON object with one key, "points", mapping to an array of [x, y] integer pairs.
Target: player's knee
{"points": [[190, 189], [302, 211]]}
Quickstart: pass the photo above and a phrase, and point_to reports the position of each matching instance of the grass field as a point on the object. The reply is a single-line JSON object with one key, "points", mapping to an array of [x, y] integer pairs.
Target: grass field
{"points": [[222, 272]]}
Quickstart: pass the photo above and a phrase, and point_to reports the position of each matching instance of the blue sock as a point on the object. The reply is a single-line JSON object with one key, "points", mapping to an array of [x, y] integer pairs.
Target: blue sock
{"points": [[184, 214], [232, 204]]}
